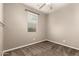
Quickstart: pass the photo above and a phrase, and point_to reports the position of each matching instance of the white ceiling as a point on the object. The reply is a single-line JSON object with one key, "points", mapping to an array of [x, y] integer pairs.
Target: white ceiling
{"points": [[46, 8]]}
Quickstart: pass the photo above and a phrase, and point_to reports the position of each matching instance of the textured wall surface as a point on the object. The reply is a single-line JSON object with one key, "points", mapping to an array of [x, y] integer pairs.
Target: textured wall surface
{"points": [[15, 32], [63, 25], [1, 28]]}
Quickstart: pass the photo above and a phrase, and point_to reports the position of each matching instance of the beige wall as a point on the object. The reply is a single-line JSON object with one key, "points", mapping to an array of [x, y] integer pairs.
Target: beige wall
{"points": [[1, 29], [63, 25], [15, 32]]}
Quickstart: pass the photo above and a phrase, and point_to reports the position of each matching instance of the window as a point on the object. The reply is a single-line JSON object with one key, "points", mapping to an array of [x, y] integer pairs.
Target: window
{"points": [[32, 22]]}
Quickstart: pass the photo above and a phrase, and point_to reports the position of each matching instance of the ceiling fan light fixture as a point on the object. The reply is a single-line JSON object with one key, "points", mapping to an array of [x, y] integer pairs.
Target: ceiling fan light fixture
{"points": [[42, 6]]}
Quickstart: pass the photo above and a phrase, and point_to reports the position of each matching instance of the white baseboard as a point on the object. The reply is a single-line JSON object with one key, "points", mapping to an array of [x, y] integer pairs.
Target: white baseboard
{"points": [[21, 46], [64, 45], [38, 42]]}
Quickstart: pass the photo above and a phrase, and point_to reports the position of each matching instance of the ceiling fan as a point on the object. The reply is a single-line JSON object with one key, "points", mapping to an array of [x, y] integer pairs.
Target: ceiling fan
{"points": [[44, 4]]}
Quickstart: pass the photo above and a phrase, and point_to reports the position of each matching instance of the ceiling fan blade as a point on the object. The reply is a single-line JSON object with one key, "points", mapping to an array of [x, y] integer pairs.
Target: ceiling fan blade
{"points": [[42, 5]]}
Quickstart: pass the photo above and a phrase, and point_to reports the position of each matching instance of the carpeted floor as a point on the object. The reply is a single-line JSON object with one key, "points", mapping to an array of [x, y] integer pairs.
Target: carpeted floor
{"points": [[45, 48]]}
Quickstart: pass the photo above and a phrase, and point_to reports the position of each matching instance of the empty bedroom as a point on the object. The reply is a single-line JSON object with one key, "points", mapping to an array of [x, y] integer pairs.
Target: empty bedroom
{"points": [[39, 29]]}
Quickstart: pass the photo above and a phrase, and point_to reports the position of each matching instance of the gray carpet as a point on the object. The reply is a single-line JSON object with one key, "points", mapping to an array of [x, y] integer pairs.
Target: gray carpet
{"points": [[45, 48]]}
